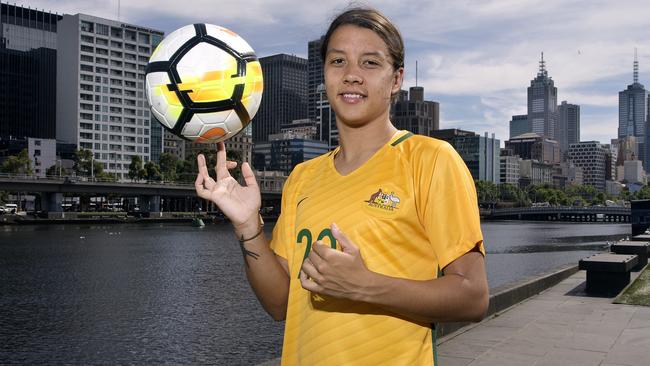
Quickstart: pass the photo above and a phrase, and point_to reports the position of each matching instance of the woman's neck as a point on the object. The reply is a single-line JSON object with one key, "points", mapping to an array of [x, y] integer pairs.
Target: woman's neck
{"points": [[360, 143]]}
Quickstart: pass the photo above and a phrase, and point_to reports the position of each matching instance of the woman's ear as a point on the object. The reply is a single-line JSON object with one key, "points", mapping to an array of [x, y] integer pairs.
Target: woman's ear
{"points": [[398, 78]]}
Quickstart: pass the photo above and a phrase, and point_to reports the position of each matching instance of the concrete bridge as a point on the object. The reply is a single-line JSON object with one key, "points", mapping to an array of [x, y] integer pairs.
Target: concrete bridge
{"points": [[51, 190], [561, 213]]}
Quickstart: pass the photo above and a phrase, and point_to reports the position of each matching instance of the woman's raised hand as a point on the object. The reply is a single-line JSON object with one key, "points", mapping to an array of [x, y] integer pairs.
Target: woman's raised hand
{"points": [[239, 203]]}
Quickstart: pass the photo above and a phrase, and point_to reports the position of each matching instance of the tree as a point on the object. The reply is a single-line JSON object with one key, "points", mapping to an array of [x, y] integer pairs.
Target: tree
{"points": [[56, 170], [487, 192], [186, 170], [136, 171], [168, 165], [643, 193], [4, 196], [83, 161], [17, 164], [152, 171], [512, 193], [588, 193]]}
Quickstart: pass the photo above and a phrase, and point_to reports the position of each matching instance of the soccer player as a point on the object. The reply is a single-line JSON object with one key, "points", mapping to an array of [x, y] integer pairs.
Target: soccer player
{"points": [[377, 240]]}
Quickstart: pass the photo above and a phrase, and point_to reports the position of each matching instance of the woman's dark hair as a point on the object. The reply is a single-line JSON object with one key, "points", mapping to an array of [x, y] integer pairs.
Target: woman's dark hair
{"points": [[375, 21]]}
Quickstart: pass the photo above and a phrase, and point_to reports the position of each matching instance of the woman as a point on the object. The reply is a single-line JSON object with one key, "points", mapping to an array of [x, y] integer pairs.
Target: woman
{"points": [[365, 230]]}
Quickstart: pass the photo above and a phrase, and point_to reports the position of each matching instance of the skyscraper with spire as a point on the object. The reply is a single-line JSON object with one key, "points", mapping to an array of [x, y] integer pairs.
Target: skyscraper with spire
{"points": [[633, 113], [542, 103]]}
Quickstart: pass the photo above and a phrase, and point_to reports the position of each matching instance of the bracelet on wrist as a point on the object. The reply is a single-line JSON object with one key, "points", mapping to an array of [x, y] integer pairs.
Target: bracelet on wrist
{"points": [[259, 232]]}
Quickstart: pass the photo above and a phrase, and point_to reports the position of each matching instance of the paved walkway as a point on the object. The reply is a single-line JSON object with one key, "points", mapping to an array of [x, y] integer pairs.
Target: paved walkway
{"points": [[560, 326]]}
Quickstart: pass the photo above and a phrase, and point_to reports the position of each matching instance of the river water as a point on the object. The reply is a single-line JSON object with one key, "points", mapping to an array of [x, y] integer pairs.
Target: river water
{"points": [[175, 294]]}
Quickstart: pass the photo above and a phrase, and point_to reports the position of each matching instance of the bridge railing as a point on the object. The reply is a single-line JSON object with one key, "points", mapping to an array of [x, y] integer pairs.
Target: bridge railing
{"points": [[77, 178], [599, 209]]}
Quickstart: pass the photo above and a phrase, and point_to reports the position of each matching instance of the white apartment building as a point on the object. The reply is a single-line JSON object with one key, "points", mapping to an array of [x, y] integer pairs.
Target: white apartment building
{"points": [[101, 105]]}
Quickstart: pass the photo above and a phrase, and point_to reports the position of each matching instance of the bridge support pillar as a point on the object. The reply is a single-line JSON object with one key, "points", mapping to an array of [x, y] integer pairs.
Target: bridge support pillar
{"points": [[53, 202], [149, 203]]}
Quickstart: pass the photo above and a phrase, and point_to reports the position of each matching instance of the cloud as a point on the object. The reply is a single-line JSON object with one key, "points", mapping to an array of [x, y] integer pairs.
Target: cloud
{"points": [[476, 57]]}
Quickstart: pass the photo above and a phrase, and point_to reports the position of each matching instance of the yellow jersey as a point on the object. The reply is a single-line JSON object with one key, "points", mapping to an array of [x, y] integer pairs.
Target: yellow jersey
{"points": [[411, 209]]}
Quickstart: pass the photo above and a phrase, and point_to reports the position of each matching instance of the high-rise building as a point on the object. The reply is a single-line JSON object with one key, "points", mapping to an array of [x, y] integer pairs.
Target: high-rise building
{"points": [[25, 29], [285, 152], [326, 119], [285, 94], [27, 72], [101, 104], [536, 147], [315, 77], [519, 125], [173, 144], [534, 172], [627, 149], [542, 103], [411, 112], [568, 125], [633, 172], [591, 157], [509, 169], [481, 154], [633, 112]]}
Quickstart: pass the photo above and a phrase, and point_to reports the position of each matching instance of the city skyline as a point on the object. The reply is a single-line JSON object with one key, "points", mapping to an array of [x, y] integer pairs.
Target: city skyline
{"points": [[475, 58]]}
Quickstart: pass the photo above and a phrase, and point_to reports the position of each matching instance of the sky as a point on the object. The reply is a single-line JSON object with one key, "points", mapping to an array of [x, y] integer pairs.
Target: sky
{"points": [[475, 57]]}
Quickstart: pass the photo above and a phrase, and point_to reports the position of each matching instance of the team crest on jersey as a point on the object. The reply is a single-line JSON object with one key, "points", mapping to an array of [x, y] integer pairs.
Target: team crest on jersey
{"points": [[384, 201]]}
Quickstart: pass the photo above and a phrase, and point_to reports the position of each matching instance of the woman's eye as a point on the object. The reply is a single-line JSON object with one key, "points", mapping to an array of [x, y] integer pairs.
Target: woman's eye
{"points": [[371, 63], [336, 61]]}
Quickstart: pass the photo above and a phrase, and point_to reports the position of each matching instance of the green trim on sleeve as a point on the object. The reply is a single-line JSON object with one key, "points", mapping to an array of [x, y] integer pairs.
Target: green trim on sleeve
{"points": [[407, 135]]}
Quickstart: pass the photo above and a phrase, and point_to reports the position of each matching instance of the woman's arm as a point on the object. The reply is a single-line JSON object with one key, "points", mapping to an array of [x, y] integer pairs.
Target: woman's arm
{"points": [[460, 295]]}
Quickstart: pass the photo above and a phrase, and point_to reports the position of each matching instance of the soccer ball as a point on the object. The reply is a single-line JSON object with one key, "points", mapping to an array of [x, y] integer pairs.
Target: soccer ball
{"points": [[204, 83]]}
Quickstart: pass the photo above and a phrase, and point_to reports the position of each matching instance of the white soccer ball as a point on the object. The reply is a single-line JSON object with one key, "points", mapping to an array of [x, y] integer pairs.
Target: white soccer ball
{"points": [[204, 83]]}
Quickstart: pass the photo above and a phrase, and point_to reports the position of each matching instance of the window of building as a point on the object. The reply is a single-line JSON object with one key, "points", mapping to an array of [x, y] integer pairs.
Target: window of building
{"points": [[102, 29], [143, 38], [116, 44], [87, 26], [130, 35], [116, 32], [101, 41]]}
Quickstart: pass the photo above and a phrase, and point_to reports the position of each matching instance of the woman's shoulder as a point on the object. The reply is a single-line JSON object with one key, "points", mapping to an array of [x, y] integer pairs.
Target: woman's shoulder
{"points": [[315, 163], [416, 147]]}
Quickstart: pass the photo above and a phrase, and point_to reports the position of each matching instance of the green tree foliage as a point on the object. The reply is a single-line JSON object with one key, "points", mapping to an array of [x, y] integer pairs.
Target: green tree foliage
{"points": [[4, 197], [588, 193], [488, 193], [512, 193], [643, 194], [83, 160], [152, 171], [17, 164], [53, 171], [168, 165], [136, 171]]}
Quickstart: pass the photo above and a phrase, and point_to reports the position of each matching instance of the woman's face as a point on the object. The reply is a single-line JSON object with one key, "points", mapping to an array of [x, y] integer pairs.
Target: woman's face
{"points": [[359, 76]]}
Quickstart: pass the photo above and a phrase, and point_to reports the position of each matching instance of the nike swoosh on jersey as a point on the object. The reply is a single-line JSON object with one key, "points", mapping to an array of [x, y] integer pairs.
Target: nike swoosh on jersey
{"points": [[299, 202]]}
